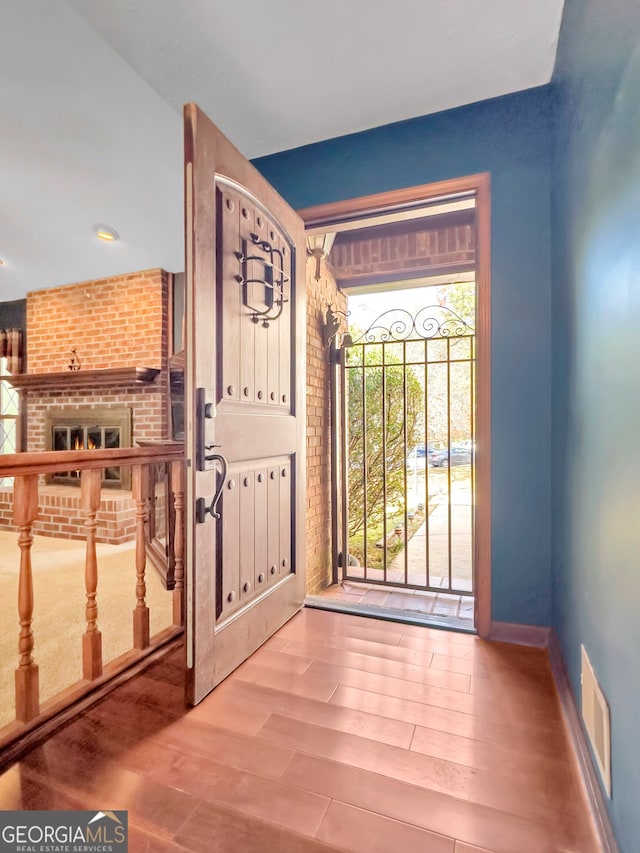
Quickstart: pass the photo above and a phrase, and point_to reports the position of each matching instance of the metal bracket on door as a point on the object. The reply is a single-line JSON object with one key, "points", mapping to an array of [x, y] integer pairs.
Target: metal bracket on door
{"points": [[205, 428]]}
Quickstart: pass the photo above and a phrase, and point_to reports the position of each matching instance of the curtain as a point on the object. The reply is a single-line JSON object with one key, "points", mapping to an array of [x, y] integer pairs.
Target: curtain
{"points": [[11, 349]]}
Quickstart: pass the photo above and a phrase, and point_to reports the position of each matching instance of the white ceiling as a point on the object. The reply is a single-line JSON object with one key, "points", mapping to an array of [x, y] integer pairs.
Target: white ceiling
{"points": [[91, 95]]}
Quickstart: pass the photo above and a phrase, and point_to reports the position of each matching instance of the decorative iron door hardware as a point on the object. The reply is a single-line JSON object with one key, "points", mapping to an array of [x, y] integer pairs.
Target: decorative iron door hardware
{"points": [[273, 279], [205, 411], [201, 505]]}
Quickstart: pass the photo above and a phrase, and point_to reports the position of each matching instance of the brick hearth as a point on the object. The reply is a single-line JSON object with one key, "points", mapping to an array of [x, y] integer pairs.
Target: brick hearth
{"points": [[60, 514]]}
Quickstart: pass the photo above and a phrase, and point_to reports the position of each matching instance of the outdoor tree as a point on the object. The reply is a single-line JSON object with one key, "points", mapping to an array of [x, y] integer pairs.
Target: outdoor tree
{"points": [[450, 371], [391, 396], [461, 298]]}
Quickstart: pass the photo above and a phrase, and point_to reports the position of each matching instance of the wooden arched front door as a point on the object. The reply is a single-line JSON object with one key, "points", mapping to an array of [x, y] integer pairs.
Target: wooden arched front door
{"points": [[245, 414]]}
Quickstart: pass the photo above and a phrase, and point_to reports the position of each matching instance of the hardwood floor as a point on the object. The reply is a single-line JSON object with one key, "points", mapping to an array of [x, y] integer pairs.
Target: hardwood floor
{"points": [[340, 733]]}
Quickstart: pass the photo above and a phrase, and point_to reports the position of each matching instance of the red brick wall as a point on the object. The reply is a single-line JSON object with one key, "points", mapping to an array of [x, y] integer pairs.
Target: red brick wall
{"points": [[319, 294], [60, 514], [410, 247], [148, 405], [113, 322]]}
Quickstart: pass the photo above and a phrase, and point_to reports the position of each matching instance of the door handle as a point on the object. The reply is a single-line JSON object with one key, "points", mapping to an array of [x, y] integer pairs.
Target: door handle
{"points": [[205, 429], [201, 505]]}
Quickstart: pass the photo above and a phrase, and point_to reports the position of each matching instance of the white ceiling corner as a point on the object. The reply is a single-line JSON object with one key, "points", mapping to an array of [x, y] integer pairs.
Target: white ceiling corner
{"points": [[92, 94]]}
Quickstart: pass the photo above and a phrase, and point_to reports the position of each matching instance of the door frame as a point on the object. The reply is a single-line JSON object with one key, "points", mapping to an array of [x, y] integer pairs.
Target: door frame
{"points": [[480, 186]]}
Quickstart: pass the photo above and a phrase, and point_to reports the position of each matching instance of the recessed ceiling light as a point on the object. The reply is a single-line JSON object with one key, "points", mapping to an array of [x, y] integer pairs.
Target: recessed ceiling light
{"points": [[105, 232], [1, 262]]}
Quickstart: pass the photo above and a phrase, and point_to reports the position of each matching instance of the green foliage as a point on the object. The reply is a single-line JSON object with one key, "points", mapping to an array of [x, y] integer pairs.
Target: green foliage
{"points": [[397, 391], [375, 537], [461, 298]]}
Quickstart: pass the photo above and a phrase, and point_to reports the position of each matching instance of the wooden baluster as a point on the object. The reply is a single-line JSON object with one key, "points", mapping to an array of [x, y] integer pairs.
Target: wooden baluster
{"points": [[140, 489], [25, 511], [177, 488], [90, 483]]}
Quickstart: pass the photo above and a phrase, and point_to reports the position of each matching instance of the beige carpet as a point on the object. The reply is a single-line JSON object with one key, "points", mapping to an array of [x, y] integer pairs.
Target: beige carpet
{"points": [[59, 610]]}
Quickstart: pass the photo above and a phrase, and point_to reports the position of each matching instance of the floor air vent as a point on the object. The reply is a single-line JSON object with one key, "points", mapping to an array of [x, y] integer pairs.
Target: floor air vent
{"points": [[595, 713]]}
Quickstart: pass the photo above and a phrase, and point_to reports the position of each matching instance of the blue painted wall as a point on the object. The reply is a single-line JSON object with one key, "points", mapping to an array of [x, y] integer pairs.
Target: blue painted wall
{"points": [[510, 138], [596, 387]]}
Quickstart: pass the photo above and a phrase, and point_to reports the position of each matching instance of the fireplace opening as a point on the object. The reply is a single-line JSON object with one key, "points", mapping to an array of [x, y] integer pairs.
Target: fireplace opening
{"points": [[90, 429]]}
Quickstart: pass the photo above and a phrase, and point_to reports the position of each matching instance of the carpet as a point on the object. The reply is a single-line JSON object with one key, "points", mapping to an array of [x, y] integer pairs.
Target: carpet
{"points": [[59, 610]]}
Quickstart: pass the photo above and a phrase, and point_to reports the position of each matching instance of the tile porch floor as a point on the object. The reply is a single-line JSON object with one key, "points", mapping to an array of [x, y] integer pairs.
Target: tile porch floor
{"points": [[439, 609], [434, 608]]}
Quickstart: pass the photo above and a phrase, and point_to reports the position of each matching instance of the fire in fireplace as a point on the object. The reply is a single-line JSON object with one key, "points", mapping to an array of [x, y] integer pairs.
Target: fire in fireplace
{"points": [[85, 437], [90, 429]]}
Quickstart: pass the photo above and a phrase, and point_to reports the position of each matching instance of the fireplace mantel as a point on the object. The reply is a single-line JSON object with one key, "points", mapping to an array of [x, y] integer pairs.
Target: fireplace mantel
{"points": [[102, 378]]}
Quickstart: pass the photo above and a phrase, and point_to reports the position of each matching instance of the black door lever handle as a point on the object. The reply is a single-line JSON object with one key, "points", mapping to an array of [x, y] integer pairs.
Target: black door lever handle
{"points": [[201, 505]]}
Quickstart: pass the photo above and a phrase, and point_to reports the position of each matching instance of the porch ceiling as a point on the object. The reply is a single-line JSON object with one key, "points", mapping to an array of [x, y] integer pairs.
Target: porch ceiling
{"points": [[439, 245]]}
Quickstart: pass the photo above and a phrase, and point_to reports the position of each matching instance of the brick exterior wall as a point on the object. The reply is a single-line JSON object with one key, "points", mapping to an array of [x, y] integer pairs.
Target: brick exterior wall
{"points": [[384, 254], [319, 295]]}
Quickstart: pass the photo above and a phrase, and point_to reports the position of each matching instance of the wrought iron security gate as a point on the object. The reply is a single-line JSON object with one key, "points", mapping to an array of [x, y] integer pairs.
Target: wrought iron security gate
{"points": [[404, 480]]}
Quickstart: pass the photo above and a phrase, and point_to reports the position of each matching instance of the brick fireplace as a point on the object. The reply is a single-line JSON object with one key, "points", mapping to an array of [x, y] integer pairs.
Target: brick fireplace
{"points": [[114, 332]]}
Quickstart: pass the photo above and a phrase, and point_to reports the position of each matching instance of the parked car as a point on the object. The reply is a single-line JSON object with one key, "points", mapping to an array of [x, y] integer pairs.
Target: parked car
{"points": [[446, 457], [419, 454]]}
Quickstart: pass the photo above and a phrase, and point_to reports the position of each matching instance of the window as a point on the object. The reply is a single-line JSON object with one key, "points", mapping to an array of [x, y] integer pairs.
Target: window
{"points": [[9, 412]]}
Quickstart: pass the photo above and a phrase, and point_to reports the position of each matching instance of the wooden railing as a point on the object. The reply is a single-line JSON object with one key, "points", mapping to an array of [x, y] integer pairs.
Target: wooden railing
{"points": [[27, 470]]}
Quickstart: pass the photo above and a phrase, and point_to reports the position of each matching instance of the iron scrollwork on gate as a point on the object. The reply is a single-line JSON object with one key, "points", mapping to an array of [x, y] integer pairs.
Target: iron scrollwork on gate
{"points": [[273, 279], [397, 324]]}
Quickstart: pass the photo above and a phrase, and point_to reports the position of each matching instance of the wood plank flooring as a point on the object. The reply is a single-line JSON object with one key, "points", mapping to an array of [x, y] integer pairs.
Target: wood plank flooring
{"points": [[340, 733]]}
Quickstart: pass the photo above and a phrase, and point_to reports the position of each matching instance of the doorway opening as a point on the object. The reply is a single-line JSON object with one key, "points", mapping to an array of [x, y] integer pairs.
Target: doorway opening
{"points": [[410, 420], [408, 439]]}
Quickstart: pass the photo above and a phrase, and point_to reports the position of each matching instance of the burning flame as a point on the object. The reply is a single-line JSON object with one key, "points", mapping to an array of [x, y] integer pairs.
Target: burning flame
{"points": [[79, 444]]}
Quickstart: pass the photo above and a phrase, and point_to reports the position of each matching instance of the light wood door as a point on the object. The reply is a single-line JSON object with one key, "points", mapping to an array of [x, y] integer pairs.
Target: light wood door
{"points": [[245, 414]]}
